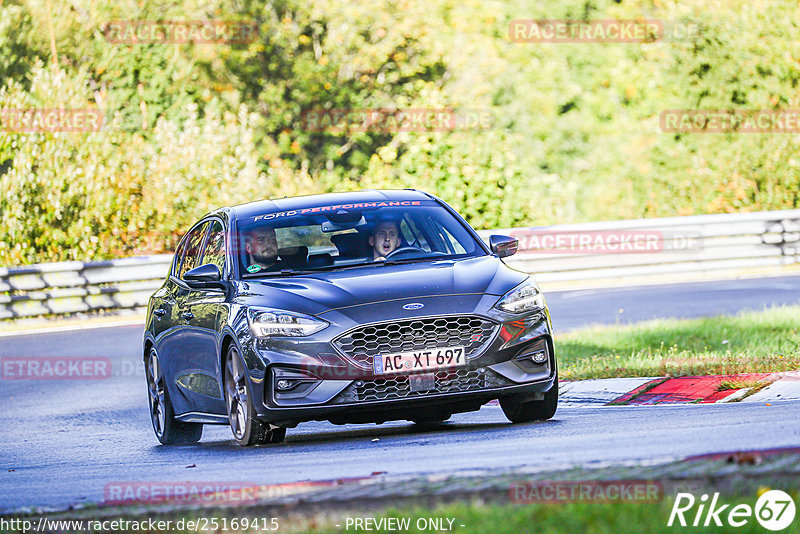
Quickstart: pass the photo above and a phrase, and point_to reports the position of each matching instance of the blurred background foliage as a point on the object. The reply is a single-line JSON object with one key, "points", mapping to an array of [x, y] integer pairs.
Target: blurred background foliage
{"points": [[574, 133]]}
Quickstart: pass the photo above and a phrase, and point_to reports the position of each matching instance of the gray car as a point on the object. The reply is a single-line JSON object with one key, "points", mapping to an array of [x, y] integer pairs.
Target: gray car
{"points": [[350, 307]]}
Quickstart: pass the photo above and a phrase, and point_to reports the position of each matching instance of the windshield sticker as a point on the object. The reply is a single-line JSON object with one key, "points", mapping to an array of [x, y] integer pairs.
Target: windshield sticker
{"points": [[323, 209], [254, 268]]}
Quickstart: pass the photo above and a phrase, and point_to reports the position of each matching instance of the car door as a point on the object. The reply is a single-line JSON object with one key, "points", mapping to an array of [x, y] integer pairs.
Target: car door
{"points": [[199, 309], [167, 325], [164, 318], [172, 343]]}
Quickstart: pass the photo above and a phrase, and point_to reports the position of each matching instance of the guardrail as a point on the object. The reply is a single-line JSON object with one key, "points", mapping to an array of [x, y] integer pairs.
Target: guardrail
{"points": [[646, 249], [712, 245], [74, 286]]}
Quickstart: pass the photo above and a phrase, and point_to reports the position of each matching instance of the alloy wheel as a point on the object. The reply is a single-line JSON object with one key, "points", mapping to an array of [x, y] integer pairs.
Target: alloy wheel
{"points": [[155, 387]]}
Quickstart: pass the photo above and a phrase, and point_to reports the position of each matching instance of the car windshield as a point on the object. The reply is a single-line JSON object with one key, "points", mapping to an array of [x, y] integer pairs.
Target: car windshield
{"points": [[351, 235]]}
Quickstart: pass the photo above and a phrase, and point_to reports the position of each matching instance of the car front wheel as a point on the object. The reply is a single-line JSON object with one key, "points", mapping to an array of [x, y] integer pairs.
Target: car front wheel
{"points": [[169, 430], [524, 411], [246, 428]]}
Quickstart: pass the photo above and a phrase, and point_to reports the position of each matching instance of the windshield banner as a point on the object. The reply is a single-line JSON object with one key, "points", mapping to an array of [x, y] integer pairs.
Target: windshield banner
{"points": [[323, 209]]}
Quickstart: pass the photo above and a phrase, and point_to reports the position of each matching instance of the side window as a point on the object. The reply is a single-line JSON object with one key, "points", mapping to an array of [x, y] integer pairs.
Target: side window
{"points": [[441, 239], [452, 242], [192, 254], [176, 262], [413, 235], [215, 247]]}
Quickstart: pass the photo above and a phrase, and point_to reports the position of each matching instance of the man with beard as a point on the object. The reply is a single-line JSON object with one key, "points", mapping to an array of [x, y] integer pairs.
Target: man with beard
{"points": [[261, 246]]}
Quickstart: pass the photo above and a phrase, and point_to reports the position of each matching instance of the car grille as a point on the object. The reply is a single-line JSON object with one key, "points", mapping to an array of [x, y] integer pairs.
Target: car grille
{"points": [[399, 387], [469, 331]]}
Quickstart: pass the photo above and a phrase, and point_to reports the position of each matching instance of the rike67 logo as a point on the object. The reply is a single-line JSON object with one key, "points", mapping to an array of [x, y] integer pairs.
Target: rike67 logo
{"points": [[774, 510]]}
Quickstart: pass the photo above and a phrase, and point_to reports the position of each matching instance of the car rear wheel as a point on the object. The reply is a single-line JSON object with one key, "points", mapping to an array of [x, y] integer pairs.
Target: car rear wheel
{"points": [[246, 428], [522, 411], [169, 430]]}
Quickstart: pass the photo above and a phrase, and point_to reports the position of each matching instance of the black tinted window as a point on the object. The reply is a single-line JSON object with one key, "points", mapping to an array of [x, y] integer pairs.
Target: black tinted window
{"points": [[192, 254], [215, 246], [178, 259]]}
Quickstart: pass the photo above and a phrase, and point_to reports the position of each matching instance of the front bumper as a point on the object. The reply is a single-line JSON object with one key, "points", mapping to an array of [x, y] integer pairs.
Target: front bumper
{"points": [[410, 408], [333, 385]]}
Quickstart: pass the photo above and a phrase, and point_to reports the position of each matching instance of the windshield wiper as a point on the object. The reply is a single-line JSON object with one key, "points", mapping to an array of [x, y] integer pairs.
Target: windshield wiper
{"points": [[406, 260], [282, 272]]}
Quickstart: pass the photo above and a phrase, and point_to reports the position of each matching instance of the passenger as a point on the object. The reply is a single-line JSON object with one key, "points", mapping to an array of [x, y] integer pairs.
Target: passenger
{"points": [[261, 244], [384, 239]]}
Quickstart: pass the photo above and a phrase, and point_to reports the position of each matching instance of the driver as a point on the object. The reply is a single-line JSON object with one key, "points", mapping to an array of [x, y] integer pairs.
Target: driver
{"points": [[384, 239], [262, 246]]}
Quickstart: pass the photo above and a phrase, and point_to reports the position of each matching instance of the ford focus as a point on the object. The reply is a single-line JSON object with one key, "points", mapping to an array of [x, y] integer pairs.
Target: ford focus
{"points": [[360, 307]]}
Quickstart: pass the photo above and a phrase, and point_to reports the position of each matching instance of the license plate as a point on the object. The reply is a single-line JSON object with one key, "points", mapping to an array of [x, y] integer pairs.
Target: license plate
{"points": [[419, 360]]}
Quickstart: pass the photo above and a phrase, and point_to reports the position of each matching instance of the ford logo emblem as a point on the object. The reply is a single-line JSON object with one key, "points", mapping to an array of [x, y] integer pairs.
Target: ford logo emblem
{"points": [[413, 306]]}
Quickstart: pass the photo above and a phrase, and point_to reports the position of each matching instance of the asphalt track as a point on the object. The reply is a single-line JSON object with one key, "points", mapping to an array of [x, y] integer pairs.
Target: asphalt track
{"points": [[64, 441]]}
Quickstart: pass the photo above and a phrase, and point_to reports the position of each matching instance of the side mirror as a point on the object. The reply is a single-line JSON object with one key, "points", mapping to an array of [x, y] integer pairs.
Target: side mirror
{"points": [[502, 245], [204, 276]]}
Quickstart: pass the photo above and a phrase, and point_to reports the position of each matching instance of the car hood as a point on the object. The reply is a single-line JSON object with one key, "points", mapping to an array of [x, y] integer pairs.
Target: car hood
{"points": [[322, 292]]}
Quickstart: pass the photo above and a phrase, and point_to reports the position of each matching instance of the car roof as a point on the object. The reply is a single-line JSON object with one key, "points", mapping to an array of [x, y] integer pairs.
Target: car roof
{"points": [[259, 207]]}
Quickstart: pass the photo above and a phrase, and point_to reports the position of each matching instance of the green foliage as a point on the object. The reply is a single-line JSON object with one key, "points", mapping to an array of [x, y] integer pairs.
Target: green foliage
{"points": [[110, 193], [17, 41], [574, 133]]}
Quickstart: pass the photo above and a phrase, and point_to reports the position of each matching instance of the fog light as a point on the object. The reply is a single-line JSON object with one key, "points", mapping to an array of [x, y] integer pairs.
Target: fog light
{"points": [[532, 358], [539, 356], [283, 385]]}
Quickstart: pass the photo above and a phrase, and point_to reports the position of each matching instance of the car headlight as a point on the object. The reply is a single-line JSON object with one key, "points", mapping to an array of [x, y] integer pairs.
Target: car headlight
{"points": [[523, 298], [265, 322]]}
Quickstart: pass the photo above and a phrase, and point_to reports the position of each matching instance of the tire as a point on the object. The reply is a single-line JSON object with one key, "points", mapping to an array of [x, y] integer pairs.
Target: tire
{"points": [[278, 435], [169, 430], [519, 411], [245, 425]]}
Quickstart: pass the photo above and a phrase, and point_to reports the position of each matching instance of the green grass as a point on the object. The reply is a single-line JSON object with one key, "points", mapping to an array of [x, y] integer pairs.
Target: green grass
{"points": [[738, 383], [750, 342]]}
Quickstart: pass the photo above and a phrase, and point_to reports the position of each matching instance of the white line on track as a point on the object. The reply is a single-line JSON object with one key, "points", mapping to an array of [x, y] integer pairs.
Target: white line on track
{"points": [[71, 328]]}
